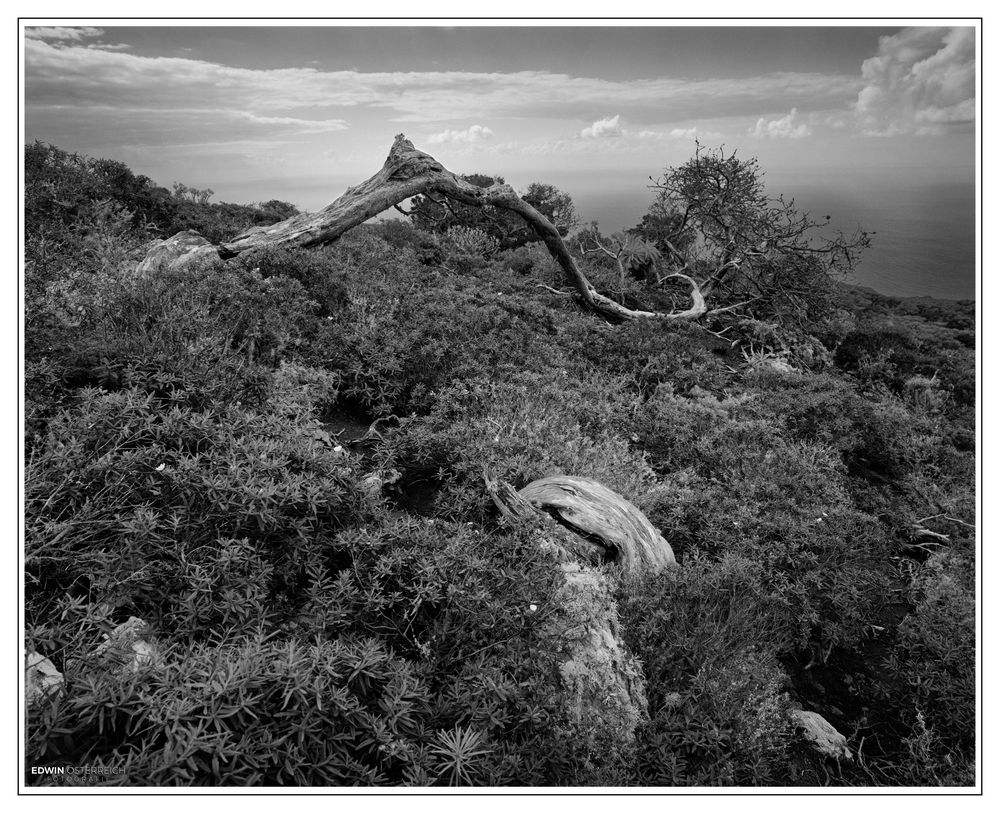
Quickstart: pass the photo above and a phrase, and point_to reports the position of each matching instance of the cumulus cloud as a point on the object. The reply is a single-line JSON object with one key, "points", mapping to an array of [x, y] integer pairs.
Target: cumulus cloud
{"points": [[922, 80], [788, 126], [603, 128], [477, 132]]}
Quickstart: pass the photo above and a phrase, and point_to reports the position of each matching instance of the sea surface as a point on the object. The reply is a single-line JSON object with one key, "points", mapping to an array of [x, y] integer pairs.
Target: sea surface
{"points": [[924, 241]]}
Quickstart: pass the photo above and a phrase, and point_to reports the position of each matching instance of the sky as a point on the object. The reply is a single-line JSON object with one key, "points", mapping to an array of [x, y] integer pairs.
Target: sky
{"points": [[300, 113]]}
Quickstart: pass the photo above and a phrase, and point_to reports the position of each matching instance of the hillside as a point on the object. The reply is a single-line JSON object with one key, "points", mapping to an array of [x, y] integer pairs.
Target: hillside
{"points": [[280, 463]]}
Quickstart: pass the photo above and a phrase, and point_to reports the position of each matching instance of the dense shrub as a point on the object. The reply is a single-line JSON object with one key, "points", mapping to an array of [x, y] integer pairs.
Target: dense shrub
{"points": [[59, 186], [220, 222], [681, 354], [414, 659], [184, 518], [405, 333], [520, 430], [717, 705], [935, 657]]}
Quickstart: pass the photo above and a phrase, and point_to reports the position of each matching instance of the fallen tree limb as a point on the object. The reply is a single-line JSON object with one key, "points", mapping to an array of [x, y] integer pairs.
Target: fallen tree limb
{"points": [[408, 172]]}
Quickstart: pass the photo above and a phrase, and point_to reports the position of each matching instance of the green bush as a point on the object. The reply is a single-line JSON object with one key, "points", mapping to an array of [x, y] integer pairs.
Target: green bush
{"points": [[403, 335], [935, 658], [414, 659], [212, 333], [184, 518], [251, 710], [519, 431], [717, 708]]}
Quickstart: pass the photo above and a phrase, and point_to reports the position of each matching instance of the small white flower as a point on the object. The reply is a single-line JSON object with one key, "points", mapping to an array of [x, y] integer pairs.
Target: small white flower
{"points": [[161, 467], [533, 607], [338, 448]]}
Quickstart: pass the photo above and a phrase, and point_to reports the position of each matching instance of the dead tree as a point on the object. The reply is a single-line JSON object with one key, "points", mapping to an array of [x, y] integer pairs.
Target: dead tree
{"points": [[408, 172]]}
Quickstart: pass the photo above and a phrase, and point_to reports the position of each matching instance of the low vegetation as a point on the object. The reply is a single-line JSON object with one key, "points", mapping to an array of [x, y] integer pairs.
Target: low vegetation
{"points": [[197, 448]]}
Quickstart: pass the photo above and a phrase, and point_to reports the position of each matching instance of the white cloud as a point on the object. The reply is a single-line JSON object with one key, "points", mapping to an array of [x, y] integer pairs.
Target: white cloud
{"points": [[477, 132], [680, 133], [603, 128], [103, 46], [62, 33], [65, 72], [921, 81], [787, 126], [154, 127]]}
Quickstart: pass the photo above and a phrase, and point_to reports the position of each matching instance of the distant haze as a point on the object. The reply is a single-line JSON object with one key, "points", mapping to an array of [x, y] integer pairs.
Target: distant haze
{"points": [[870, 125]]}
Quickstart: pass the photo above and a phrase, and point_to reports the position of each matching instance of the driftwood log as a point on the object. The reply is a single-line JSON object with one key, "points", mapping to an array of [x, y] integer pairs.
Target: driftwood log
{"points": [[408, 172]]}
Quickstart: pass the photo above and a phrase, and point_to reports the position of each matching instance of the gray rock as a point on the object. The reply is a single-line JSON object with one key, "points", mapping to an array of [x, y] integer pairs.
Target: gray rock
{"points": [[179, 251], [823, 737], [129, 647], [41, 679]]}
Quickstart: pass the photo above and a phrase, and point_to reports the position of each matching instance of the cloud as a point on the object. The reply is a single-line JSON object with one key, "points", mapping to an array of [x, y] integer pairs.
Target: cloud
{"points": [[154, 127], [923, 80], [603, 128], [66, 73], [680, 133], [62, 33], [476, 132], [103, 46], [784, 127]]}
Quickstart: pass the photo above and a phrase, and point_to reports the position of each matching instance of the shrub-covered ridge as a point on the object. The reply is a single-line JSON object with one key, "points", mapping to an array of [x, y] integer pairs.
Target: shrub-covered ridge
{"points": [[187, 464]]}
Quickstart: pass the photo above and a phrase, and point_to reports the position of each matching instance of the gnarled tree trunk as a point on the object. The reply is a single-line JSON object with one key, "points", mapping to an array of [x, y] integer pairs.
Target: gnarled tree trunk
{"points": [[408, 172]]}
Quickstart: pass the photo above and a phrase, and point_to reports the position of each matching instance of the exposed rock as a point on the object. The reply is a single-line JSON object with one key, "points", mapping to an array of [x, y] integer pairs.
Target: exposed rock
{"points": [[372, 484], [605, 690], [129, 647], [768, 361], [41, 679], [177, 252], [604, 519], [604, 682], [823, 737]]}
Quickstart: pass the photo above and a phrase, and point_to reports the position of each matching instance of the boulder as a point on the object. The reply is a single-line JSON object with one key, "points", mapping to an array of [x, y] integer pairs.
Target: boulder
{"points": [[179, 251], [41, 679], [823, 737]]}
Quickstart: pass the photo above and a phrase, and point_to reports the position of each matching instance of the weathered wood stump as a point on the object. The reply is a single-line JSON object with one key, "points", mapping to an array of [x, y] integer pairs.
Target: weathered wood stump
{"points": [[617, 530], [584, 524]]}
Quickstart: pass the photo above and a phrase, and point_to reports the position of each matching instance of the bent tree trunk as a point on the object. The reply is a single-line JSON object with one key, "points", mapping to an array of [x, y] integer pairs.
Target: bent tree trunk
{"points": [[408, 172]]}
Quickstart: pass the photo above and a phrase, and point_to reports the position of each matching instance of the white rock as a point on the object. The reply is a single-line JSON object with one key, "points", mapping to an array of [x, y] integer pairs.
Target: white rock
{"points": [[824, 738], [41, 679]]}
